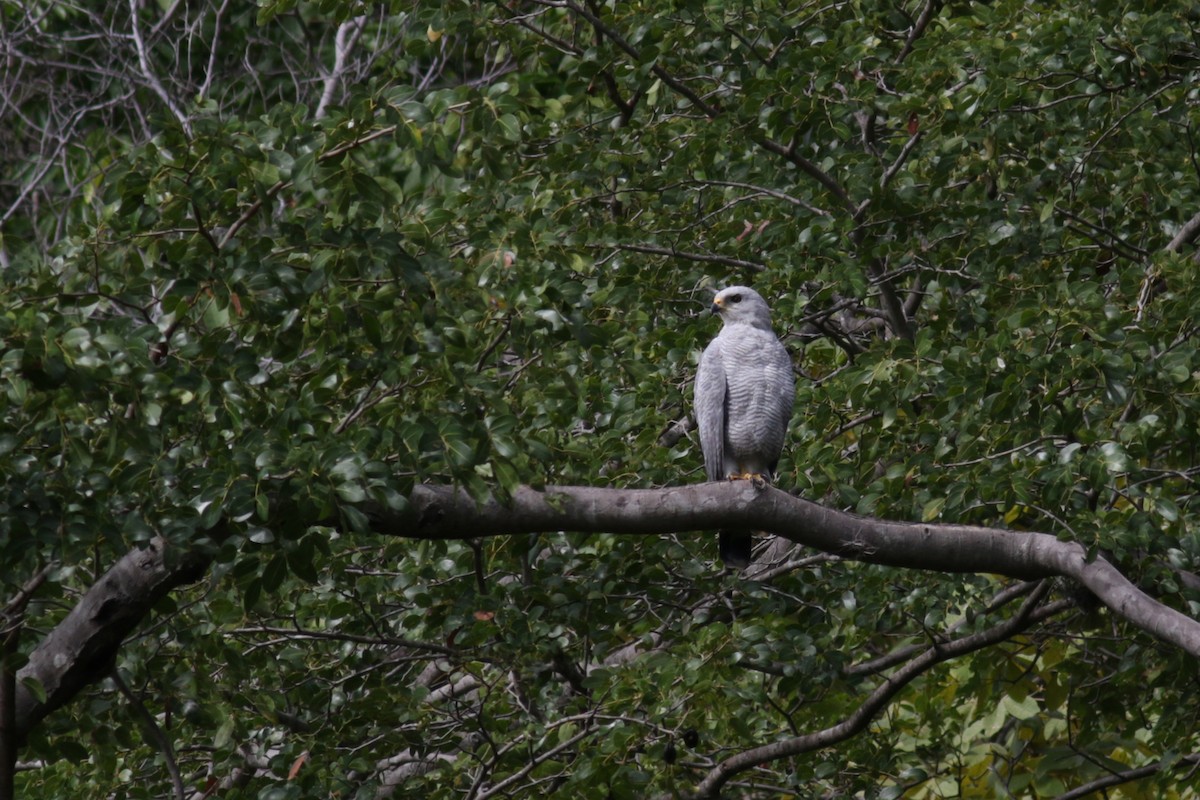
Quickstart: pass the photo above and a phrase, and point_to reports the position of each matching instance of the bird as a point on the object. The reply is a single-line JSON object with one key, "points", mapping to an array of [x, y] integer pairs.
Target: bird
{"points": [[743, 397]]}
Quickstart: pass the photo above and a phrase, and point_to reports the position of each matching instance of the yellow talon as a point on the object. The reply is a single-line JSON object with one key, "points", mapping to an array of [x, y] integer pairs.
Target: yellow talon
{"points": [[757, 478]]}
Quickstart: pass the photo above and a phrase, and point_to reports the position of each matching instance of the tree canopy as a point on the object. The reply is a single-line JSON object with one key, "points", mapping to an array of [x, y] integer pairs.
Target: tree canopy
{"points": [[346, 354]]}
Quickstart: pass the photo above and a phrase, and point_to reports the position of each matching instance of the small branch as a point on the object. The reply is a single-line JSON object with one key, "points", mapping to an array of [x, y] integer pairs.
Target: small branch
{"points": [[710, 111], [812, 170], [496, 340], [918, 29], [892, 306], [213, 46], [502, 786], [1135, 253], [256, 206], [1125, 776], [905, 151], [561, 44], [389, 641], [878, 699], [861, 419], [203, 229], [670, 80], [1080, 163], [889, 660], [1003, 453], [154, 732], [16, 606]]}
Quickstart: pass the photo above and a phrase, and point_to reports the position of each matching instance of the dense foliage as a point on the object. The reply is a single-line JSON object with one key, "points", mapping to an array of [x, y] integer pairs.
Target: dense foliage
{"points": [[266, 269]]}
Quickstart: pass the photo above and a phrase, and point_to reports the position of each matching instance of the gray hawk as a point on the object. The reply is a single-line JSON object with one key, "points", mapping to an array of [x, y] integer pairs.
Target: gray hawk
{"points": [[744, 394]]}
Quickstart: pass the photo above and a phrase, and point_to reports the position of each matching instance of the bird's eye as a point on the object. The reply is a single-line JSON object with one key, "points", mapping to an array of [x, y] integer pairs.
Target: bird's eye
{"points": [[737, 298]]}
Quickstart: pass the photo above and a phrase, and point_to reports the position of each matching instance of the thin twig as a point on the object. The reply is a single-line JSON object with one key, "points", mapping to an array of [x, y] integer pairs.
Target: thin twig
{"points": [[154, 732], [778, 195], [687, 256], [891, 171]]}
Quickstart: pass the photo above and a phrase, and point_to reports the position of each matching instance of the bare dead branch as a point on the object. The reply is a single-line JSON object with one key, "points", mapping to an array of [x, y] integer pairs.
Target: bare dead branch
{"points": [[348, 34], [148, 74]]}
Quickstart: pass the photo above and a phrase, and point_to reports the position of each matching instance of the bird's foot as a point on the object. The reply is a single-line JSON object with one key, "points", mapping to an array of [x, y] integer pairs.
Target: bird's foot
{"points": [[757, 478]]}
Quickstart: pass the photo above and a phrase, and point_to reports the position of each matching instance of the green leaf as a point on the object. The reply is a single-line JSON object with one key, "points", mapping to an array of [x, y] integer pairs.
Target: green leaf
{"points": [[35, 688], [932, 509], [510, 127]]}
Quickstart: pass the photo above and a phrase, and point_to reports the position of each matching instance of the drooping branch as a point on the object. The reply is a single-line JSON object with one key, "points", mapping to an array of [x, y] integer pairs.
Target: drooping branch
{"points": [[439, 512]]}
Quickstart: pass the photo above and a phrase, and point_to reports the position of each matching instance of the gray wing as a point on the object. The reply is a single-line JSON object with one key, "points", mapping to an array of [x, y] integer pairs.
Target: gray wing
{"points": [[710, 410], [783, 381]]}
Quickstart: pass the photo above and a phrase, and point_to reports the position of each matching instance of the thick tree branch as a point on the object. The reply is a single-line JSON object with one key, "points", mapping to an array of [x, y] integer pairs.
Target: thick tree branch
{"points": [[12, 620], [80, 650], [446, 513]]}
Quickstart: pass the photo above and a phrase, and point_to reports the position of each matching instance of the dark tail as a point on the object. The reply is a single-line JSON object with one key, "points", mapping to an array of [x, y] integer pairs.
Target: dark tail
{"points": [[735, 548]]}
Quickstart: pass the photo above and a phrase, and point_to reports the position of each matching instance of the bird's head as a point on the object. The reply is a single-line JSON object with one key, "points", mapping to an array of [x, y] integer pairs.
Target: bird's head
{"points": [[741, 304]]}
